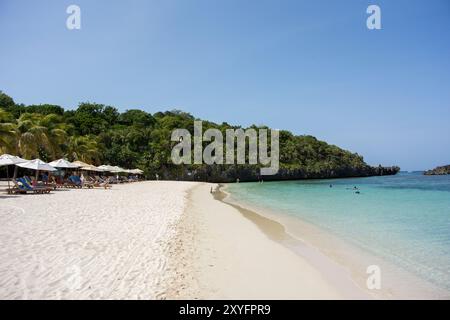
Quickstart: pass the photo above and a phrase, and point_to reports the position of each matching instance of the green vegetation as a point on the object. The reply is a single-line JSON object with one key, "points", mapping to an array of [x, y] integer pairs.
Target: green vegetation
{"points": [[99, 134]]}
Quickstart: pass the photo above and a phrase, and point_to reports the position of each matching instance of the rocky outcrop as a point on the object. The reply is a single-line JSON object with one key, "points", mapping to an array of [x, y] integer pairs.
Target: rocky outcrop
{"points": [[438, 171]]}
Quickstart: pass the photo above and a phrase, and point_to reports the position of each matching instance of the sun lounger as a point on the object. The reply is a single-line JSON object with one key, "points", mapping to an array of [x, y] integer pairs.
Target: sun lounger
{"points": [[105, 184], [78, 182], [58, 183], [17, 187], [23, 185], [73, 182]]}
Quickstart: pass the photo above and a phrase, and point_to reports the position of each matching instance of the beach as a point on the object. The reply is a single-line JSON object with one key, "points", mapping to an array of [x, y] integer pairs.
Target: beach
{"points": [[90, 243], [235, 259], [147, 240]]}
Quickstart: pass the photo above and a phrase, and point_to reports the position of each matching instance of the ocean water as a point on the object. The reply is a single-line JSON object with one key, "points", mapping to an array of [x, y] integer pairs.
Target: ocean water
{"points": [[404, 219]]}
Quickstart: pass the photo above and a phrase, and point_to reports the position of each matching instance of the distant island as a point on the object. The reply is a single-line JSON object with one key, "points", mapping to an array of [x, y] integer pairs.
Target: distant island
{"points": [[438, 171], [99, 134]]}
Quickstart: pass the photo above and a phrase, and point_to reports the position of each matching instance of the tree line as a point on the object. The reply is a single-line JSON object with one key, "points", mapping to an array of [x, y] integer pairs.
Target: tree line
{"points": [[100, 134]]}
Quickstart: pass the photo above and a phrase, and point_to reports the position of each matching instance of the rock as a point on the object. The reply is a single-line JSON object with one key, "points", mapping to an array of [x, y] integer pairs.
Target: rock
{"points": [[438, 171]]}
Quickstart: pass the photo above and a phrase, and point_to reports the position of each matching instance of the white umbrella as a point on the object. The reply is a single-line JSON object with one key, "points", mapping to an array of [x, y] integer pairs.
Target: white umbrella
{"points": [[118, 169], [81, 164], [114, 169], [107, 168], [91, 168], [63, 163], [38, 165], [7, 159]]}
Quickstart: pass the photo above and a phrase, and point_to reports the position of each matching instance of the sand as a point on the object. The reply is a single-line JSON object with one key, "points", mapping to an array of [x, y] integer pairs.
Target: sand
{"points": [[147, 240], [233, 258], [90, 244]]}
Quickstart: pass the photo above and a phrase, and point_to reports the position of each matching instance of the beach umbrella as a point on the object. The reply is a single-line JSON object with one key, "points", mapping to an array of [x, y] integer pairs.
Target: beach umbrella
{"points": [[137, 171], [7, 159], [63, 163], [106, 167], [81, 164], [38, 165], [91, 168], [119, 169]]}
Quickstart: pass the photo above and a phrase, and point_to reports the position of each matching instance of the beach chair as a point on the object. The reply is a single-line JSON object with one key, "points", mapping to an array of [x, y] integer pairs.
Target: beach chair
{"points": [[45, 183], [35, 189], [113, 180], [58, 183], [87, 182], [78, 182], [68, 183], [17, 187], [74, 182], [105, 184]]}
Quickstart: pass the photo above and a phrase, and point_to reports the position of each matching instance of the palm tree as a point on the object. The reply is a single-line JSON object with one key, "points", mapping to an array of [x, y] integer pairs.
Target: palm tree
{"points": [[83, 148], [56, 134], [37, 132], [7, 132]]}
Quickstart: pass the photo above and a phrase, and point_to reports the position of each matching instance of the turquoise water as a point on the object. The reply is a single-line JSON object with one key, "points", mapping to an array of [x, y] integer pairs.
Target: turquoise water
{"points": [[404, 219]]}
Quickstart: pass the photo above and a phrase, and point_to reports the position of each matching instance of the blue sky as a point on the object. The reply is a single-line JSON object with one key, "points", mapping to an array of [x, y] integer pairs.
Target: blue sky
{"points": [[311, 67]]}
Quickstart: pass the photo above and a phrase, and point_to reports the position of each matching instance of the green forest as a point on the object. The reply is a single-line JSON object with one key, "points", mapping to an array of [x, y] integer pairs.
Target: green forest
{"points": [[100, 134]]}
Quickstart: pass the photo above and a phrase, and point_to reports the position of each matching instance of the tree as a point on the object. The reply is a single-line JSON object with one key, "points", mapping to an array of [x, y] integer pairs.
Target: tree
{"points": [[93, 118], [37, 134], [6, 101], [83, 148], [95, 132], [7, 132], [45, 109], [137, 118]]}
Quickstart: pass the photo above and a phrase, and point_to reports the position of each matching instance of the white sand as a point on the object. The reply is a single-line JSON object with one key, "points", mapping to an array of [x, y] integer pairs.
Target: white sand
{"points": [[90, 244], [234, 259], [149, 240]]}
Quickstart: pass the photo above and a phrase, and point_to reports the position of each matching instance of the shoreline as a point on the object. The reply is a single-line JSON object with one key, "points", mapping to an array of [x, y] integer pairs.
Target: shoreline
{"points": [[333, 255], [169, 240], [230, 257], [333, 272]]}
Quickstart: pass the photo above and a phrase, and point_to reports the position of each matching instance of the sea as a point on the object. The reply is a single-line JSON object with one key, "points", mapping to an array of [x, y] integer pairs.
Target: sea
{"points": [[403, 220]]}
